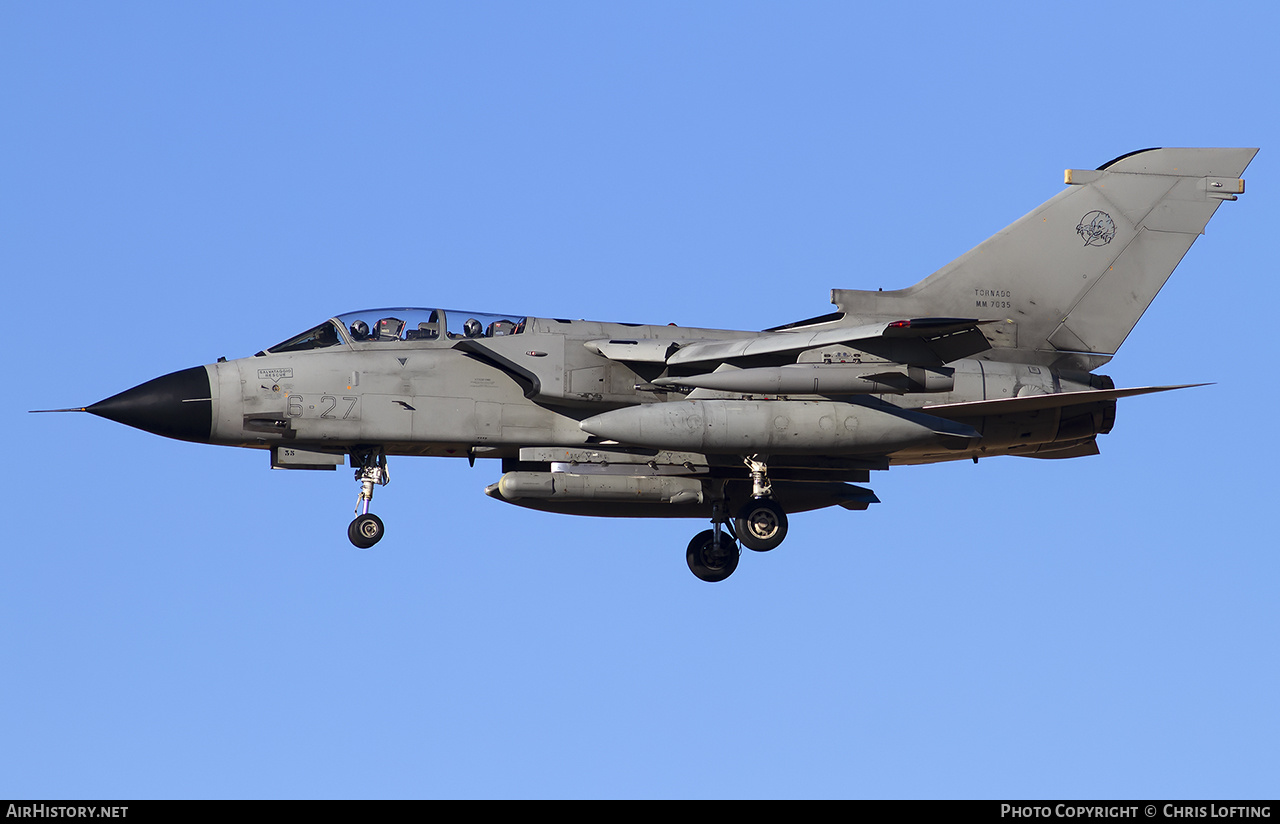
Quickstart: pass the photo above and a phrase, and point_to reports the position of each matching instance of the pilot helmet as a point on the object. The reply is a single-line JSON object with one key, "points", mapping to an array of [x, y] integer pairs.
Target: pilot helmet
{"points": [[360, 330], [471, 328]]}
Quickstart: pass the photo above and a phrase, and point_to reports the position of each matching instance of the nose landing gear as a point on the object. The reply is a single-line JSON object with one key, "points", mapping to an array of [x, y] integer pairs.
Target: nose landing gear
{"points": [[371, 468], [366, 530]]}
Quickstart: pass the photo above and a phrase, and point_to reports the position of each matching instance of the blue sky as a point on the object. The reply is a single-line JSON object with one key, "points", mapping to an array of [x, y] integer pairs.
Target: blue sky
{"points": [[188, 181]]}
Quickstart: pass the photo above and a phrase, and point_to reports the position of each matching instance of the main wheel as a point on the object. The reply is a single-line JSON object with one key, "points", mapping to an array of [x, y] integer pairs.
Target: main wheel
{"points": [[761, 525], [366, 530], [709, 563]]}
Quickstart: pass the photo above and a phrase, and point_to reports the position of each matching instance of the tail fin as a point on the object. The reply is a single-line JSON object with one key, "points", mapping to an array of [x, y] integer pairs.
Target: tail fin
{"points": [[1073, 277]]}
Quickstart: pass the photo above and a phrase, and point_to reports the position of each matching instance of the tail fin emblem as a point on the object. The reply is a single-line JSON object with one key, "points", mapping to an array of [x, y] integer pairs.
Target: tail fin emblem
{"points": [[1097, 228]]}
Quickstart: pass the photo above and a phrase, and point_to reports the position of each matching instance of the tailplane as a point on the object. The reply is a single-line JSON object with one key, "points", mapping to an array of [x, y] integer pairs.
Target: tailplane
{"points": [[1069, 280]]}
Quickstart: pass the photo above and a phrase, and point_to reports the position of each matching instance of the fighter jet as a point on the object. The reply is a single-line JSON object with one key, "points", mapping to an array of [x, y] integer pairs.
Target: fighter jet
{"points": [[994, 354]]}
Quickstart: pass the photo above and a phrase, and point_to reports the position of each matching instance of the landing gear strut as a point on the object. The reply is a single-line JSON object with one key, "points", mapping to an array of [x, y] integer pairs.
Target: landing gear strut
{"points": [[761, 524], [712, 555], [371, 468]]}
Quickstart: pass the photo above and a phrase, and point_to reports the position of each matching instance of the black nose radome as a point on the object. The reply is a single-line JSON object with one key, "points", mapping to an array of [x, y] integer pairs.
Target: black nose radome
{"points": [[176, 406]]}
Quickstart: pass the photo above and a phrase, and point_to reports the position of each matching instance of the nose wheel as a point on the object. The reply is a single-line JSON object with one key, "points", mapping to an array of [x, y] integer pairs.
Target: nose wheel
{"points": [[371, 469], [366, 530]]}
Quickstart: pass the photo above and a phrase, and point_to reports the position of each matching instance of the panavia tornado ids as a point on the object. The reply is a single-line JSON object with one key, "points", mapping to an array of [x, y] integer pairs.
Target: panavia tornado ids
{"points": [[994, 354]]}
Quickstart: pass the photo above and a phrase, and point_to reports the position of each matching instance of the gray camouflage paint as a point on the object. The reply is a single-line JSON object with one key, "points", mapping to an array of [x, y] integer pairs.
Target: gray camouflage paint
{"points": [[991, 355]]}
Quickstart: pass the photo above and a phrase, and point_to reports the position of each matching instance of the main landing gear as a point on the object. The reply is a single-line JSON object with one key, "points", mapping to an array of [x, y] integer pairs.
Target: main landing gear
{"points": [[712, 554], [760, 525], [371, 468]]}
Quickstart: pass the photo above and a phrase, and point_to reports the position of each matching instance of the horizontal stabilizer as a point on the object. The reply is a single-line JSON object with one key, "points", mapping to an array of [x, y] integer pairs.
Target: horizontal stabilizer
{"points": [[1030, 403]]}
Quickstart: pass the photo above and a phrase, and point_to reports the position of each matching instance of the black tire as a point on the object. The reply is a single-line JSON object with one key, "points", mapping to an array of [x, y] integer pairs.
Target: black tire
{"points": [[761, 525], [365, 531], [706, 562]]}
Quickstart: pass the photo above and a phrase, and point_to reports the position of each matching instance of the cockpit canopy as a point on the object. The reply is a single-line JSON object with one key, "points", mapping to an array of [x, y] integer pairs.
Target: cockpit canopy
{"points": [[395, 326]]}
